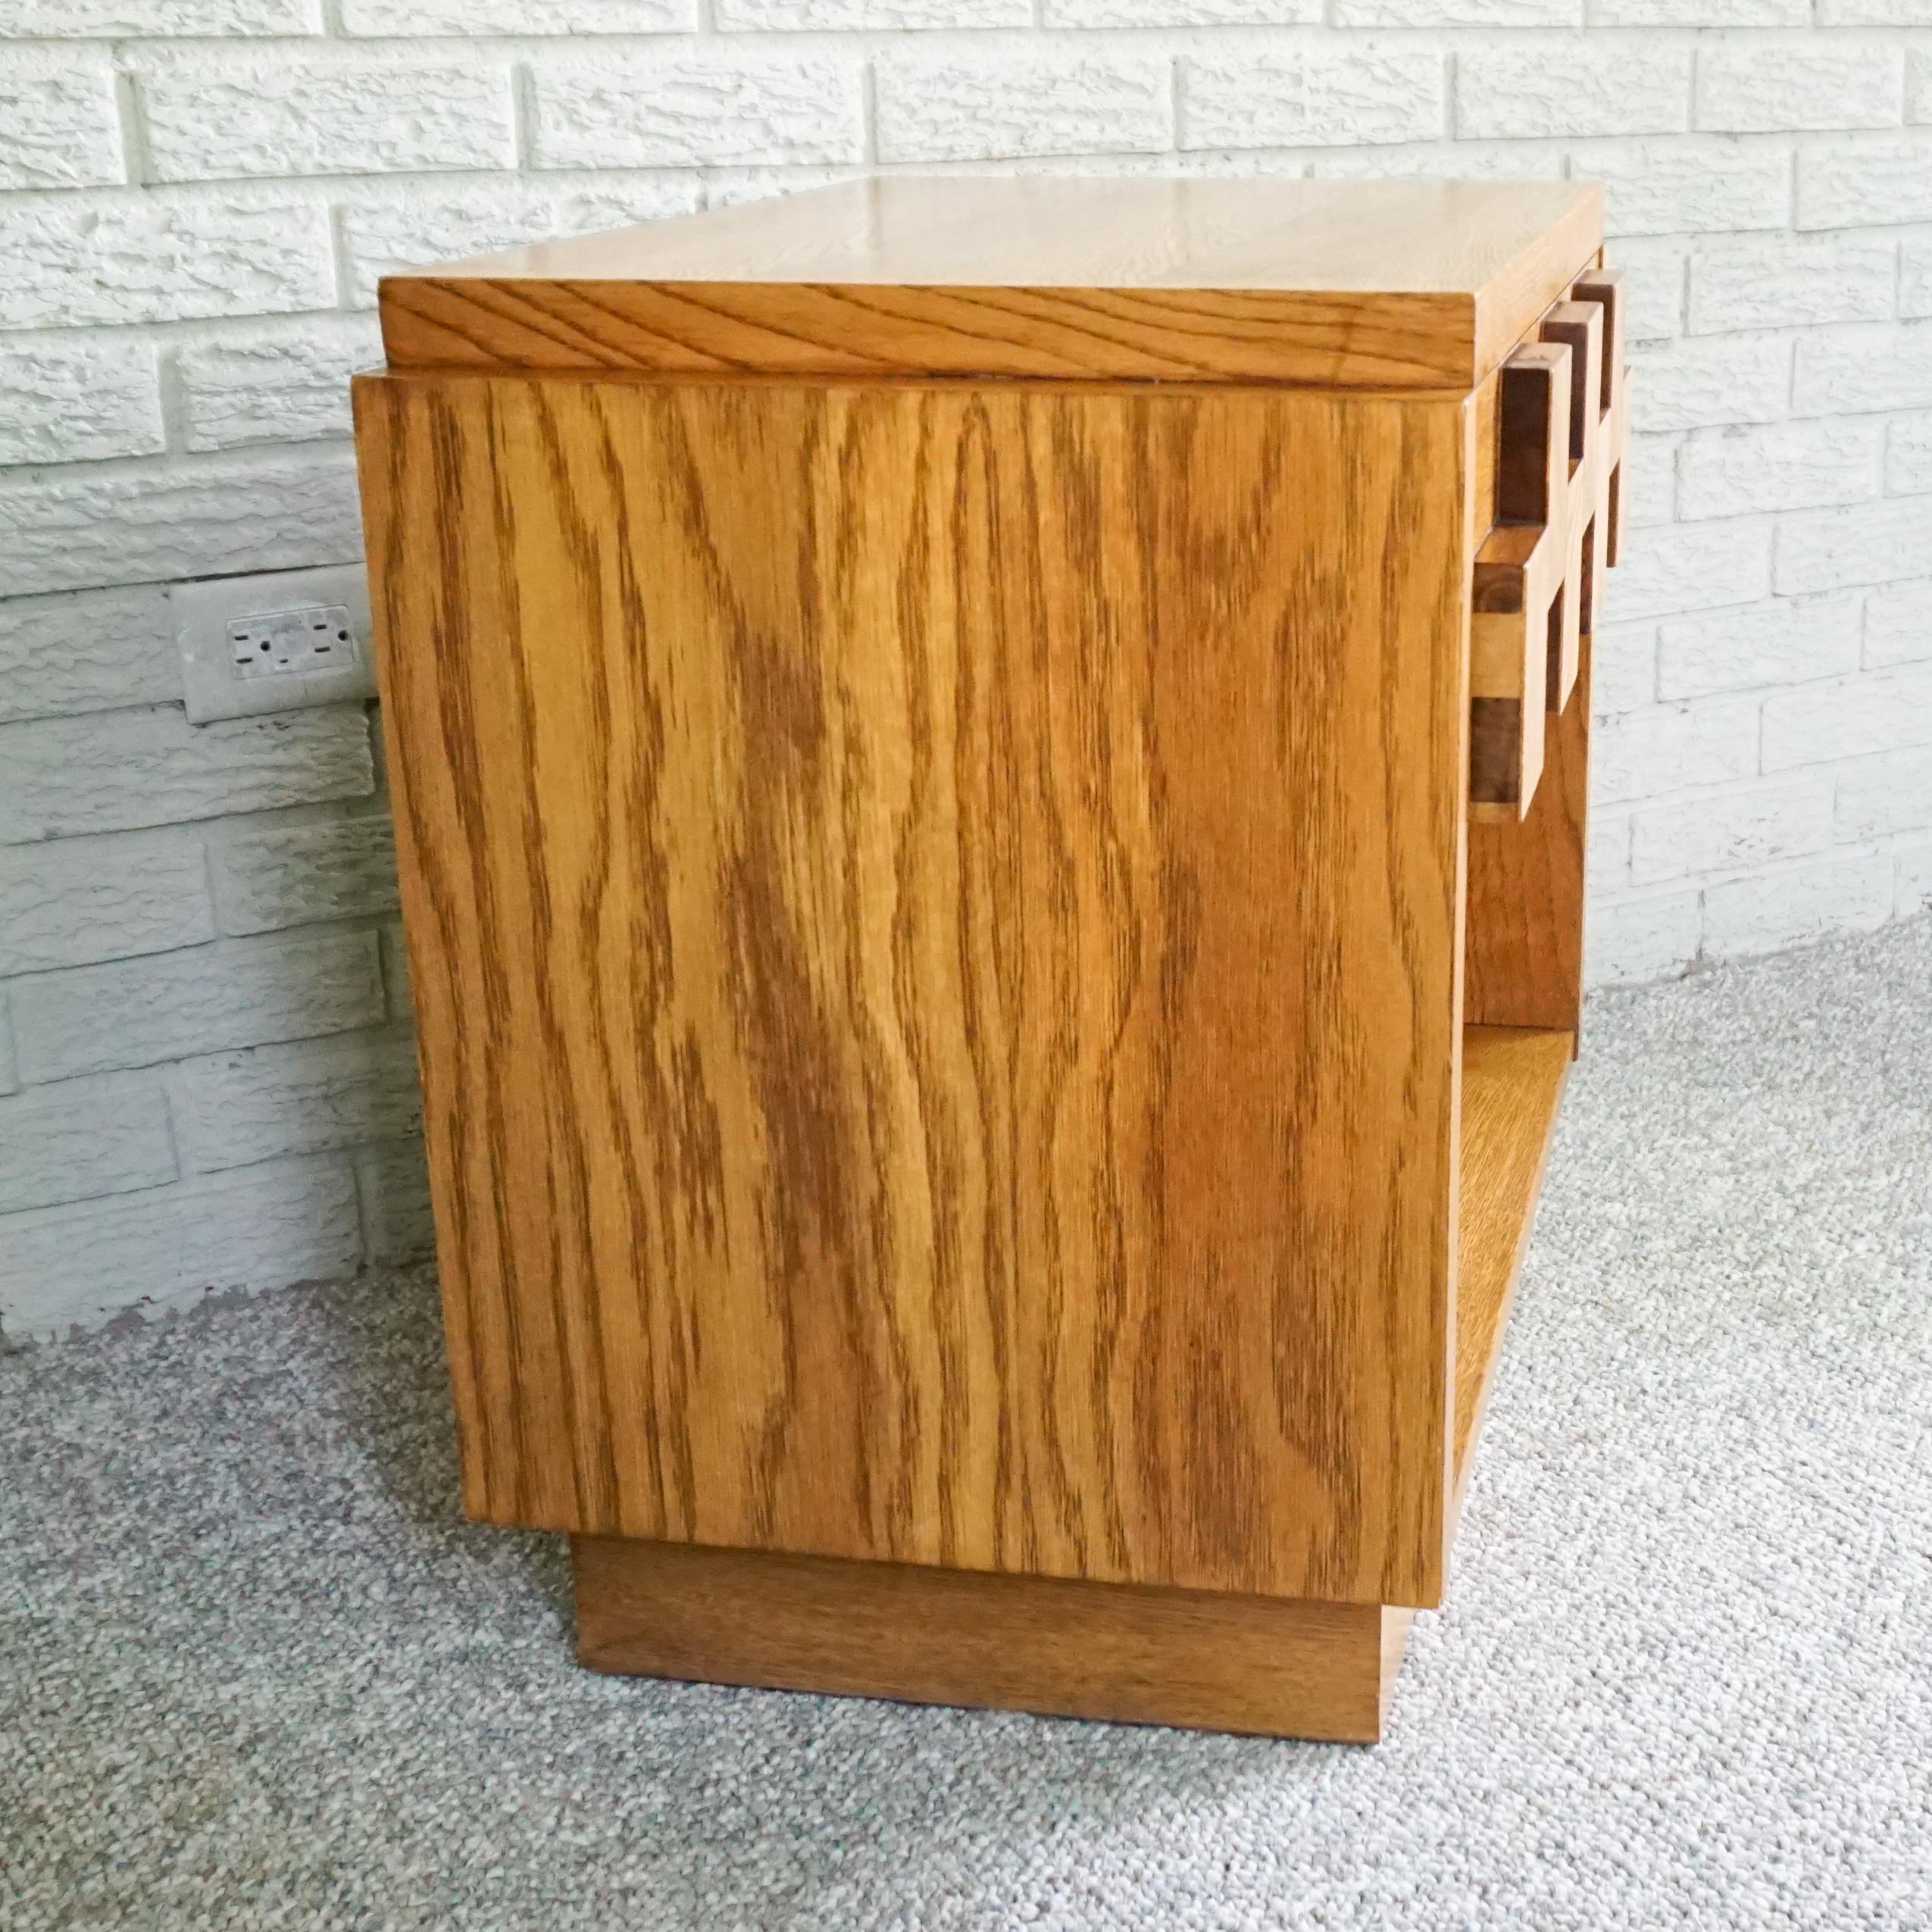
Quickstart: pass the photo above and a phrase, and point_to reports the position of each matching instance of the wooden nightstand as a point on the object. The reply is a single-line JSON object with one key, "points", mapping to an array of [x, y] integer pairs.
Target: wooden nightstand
{"points": [[989, 778]]}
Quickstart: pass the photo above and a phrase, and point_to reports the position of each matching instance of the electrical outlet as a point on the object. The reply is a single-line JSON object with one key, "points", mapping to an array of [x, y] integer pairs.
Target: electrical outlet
{"points": [[293, 643], [273, 643]]}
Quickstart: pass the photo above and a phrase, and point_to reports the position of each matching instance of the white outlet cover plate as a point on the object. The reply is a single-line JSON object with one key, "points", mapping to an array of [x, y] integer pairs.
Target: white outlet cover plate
{"points": [[212, 614]]}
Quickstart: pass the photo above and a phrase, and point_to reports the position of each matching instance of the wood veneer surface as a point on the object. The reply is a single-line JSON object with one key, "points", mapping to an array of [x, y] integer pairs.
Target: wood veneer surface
{"points": [[934, 921], [1085, 1650], [1379, 285], [1512, 1080]]}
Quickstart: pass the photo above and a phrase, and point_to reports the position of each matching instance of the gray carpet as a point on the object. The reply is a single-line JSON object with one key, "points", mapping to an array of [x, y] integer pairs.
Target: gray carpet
{"points": [[254, 1672]]}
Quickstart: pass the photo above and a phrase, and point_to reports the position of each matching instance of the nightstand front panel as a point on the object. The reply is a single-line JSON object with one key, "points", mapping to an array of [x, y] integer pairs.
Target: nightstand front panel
{"points": [[934, 918]]}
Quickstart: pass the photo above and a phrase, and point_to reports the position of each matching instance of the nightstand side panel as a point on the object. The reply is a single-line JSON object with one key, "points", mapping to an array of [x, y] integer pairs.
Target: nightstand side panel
{"points": [[934, 914]]}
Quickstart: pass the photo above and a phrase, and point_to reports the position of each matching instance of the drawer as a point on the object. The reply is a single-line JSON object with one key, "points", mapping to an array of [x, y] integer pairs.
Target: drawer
{"points": [[1554, 439]]}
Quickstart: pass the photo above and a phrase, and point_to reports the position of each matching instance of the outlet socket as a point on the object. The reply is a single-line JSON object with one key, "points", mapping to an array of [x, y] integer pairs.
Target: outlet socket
{"points": [[276, 642]]}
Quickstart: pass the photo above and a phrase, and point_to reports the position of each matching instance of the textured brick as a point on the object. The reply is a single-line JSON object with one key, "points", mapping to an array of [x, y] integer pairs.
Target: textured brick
{"points": [[72, 260], [86, 650], [1898, 625], [398, 17], [1730, 833], [382, 236], [1459, 12], [1607, 855], [59, 127], [1645, 754], [1912, 886], [305, 1098], [1629, 941], [1791, 283], [124, 769], [73, 902], [971, 106], [1879, 542], [62, 1268], [1788, 466], [1460, 160], [396, 972], [1568, 91], [714, 107], [72, 533], [295, 875], [70, 400], [1865, 184], [1908, 455], [1875, 13], [279, 385], [1690, 568], [1686, 186], [155, 20], [1787, 640], [1801, 904], [210, 116], [1656, 272], [1881, 711], [889, 16], [1915, 280], [81, 1139], [1886, 797], [1650, 480], [1623, 668], [1874, 369], [1700, 13], [1745, 87], [207, 999], [1289, 98], [1691, 384], [1918, 84], [729, 187], [396, 1203]]}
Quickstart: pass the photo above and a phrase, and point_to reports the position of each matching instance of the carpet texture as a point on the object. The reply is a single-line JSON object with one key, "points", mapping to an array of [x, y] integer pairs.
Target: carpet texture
{"points": [[253, 1671]]}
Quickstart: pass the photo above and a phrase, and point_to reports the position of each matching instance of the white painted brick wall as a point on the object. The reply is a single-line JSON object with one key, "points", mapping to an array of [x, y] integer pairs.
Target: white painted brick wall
{"points": [[961, 106], [711, 104], [234, 993], [297, 875], [85, 650], [81, 1265], [127, 257], [70, 398], [73, 901], [204, 1013], [59, 127], [116, 771], [83, 1139], [289, 383], [213, 115]]}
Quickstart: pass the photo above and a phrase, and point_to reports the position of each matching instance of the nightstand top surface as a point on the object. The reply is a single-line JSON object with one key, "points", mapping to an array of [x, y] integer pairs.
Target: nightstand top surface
{"points": [[1401, 284]]}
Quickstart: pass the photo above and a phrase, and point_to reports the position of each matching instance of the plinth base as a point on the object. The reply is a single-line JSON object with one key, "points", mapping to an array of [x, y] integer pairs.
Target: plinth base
{"points": [[1197, 1659]]}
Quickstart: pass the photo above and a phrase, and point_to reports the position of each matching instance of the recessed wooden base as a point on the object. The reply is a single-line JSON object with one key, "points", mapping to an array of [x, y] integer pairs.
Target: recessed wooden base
{"points": [[1194, 1658]]}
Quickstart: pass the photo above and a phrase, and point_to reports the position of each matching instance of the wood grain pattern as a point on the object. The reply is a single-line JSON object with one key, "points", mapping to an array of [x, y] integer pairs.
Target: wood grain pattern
{"points": [[933, 920], [1523, 929], [1512, 1080], [1378, 285], [1137, 1656]]}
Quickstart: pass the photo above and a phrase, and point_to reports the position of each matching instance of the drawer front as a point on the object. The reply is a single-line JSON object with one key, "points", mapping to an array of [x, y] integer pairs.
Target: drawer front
{"points": [[1555, 433]]}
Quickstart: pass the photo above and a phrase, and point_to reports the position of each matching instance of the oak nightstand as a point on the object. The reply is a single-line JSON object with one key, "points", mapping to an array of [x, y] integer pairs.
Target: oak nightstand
{"points": [[989, 777]]}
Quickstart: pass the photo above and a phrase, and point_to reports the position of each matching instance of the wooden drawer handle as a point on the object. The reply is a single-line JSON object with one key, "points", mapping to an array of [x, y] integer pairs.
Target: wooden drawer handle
{"points": [[1608, 289], [1579, 325], [1533, 454], [1562, 419], [1605, 288]]}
